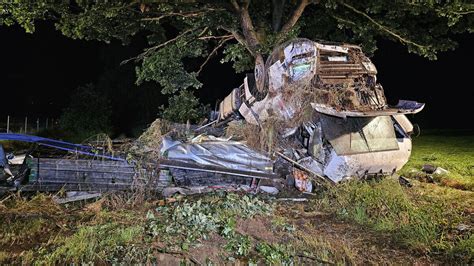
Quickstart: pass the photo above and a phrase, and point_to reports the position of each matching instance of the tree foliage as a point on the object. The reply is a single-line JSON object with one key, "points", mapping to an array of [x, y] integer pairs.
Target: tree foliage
{"points": [[245, 31], [88, 113], [184, 107]]}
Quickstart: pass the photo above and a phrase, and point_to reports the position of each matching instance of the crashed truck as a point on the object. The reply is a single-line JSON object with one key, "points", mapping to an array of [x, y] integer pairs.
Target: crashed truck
{"points": [[352, 132]]}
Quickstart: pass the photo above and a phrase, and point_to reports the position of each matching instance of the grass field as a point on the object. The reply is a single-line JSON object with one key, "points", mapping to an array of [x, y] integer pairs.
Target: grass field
{"points": [[453, 151], [376, 222]]}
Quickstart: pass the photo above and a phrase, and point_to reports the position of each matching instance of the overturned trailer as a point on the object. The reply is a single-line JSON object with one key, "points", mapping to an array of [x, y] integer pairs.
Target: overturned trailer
{"points": [[353, 131]]}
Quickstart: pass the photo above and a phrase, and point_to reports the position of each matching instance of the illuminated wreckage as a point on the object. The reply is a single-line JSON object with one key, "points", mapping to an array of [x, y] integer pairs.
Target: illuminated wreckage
{"points": [[351, 133]]}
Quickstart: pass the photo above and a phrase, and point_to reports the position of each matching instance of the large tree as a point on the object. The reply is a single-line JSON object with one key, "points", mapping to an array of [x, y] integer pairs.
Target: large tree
{"points": [[246, 31]]}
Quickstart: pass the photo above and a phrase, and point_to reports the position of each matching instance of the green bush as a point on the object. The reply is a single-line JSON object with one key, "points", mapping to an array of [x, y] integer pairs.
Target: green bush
{"points": [[89, 113]]}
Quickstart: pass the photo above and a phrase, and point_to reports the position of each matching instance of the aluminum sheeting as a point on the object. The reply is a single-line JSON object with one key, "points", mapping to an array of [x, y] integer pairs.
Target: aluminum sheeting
{"points": [[208, 150]]}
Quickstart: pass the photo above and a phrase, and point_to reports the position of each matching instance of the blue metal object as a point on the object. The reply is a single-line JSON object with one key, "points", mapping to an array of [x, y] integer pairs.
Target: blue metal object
{"points": [[3, 158], [57, 144]]}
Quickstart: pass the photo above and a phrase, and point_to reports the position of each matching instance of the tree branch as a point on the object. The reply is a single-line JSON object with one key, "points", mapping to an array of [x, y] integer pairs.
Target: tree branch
{"points": [[277, 14], [214, 51], [292, 20], [215, 37], [151, 49], [251, 40], [240, 39], [248, 29], [343, 20], [384, 28], [470, 9], [235, 5]]}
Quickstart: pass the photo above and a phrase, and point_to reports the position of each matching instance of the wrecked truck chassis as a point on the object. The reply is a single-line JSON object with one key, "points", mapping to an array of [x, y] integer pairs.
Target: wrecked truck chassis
{"points": [[353, 131]]}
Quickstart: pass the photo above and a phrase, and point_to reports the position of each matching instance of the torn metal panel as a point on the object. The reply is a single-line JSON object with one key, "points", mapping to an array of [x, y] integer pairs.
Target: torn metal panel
{"points": [[403, 107], [175, 164], [72, 196], [216, 152], [404, 123], [277, 77], [311, 164]]}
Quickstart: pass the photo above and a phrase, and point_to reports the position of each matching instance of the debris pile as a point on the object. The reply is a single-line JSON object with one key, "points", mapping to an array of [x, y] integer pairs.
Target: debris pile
{"points": [[319, 117], [148, 145]]}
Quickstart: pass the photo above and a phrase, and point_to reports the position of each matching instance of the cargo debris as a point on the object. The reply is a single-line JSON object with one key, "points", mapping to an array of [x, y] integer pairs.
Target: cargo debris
{"points": [[320, 116]]}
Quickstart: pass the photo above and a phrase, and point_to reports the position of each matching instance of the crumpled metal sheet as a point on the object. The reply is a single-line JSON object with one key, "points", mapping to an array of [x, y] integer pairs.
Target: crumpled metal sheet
{"points": [[208, 150]]}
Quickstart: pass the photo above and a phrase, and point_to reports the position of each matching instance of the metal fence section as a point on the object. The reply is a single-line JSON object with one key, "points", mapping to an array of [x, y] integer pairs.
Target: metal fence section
{"points": [[26, 124]]}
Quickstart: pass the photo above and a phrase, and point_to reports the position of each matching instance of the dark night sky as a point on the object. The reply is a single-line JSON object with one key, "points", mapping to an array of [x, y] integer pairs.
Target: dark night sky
{"points": [[39, 71]]}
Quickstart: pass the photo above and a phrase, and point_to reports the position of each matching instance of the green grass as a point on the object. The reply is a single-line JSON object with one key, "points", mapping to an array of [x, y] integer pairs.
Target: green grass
{"points": [[413, 218], [95, 244], [451, 151]]}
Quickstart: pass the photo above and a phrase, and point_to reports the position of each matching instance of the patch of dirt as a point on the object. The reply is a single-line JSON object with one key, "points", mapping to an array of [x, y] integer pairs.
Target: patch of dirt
{"points": [[259, 228], [168, 259], [210, 249]]}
